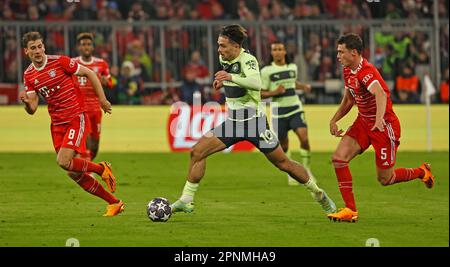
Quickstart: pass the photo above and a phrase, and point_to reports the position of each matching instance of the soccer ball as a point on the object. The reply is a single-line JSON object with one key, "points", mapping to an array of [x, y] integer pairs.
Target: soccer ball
{"points": [[159, 210]]}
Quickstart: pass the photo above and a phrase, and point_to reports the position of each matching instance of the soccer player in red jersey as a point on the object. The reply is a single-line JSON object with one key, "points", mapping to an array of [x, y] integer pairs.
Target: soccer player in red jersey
{"points": [[376, 125], [51, 77], [85, 45]]}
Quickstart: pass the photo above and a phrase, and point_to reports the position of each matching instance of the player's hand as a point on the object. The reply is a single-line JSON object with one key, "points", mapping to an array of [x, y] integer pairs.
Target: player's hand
{"points": [[24, 97], [222, 76], [334, 130], [280, 89], [379, 125], [308, 88], [106, 106], [104, 81], [217, 85]]}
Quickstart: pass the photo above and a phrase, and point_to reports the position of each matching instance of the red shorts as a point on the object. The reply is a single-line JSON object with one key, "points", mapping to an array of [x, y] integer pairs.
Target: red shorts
{"points": [[71, 135], [385, 143], [95, 119]]}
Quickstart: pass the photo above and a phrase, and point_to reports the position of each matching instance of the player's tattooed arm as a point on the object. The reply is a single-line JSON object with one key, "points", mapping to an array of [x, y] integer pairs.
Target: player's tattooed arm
{"points": [[98, 89], [31, 101]]}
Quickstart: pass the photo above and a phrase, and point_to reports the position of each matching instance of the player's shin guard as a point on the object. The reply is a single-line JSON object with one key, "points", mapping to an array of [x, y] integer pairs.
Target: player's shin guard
{"points": [[82, 165], [189, 192], [305, 156], [344, 178], [89, 184]]}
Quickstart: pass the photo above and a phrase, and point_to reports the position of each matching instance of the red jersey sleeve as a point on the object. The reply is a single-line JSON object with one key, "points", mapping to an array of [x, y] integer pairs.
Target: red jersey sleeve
{"points": [[368, 76], [28, 86], [69, 65]]}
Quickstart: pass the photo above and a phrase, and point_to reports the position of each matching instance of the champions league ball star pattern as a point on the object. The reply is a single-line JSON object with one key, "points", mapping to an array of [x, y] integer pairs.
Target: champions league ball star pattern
{"points": [[159, 210]]}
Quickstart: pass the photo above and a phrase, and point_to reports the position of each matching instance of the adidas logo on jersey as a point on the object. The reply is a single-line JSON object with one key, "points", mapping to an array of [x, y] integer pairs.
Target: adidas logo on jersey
{"points": [[70, 143], [385, 163], [36, 81]]}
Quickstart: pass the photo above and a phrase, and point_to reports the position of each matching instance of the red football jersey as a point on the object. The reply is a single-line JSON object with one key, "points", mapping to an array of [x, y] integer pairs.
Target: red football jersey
{"points": [[53, 81], [101, 68], [358, 82]]}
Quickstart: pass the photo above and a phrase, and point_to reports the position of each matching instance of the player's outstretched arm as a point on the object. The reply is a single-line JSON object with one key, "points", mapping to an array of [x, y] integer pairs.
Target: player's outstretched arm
{"points": [[31, 101], [345, 106], [98, 89]]}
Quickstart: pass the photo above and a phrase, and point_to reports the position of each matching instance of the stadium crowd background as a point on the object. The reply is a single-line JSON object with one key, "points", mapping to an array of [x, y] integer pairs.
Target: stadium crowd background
{"points": [[402, 57]]}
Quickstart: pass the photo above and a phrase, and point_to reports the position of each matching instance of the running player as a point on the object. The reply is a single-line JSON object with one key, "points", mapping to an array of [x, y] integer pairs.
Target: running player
{"points": [[85, 45], [51, 77], [246, 121], [376, 125], [279, 81]]}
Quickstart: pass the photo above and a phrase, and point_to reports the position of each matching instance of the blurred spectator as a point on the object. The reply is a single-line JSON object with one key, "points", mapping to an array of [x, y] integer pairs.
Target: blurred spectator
{"points": [[109, 12], [141, 60], [189, 87], [177, 43], [392, 11], [407, 85], [197, 68], [313, 54], [112, 94], [85, 11], [33, 13], [443, 8], [171, 69], [327, 69], [217, 11], [10, 60], [137, 10], [162, 13], [204, 8], [7, 13], [264, 13], [390, 67], [444, 87], [444, 46], [129, 85], [137, 13]]}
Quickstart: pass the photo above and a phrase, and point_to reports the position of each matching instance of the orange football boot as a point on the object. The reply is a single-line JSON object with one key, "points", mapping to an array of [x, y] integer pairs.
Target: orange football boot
{"points": [[114, 209], [428, 178], [108, 177], [344, 215]]}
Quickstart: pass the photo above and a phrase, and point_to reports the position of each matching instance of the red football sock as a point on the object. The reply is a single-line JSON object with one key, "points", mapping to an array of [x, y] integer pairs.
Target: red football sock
{"points": [[89, 184], [344, 177], [82, 165], [86, 155], [406, 174]]}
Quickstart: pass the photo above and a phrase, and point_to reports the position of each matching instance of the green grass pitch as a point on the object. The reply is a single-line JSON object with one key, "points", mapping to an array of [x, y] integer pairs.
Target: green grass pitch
{"points": [[242, 201]]}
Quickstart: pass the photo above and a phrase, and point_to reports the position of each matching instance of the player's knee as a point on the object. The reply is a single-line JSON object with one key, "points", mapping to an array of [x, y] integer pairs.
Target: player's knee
{"points": [[196, 154], [339, 157], [283, 165], [63, 162]]}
